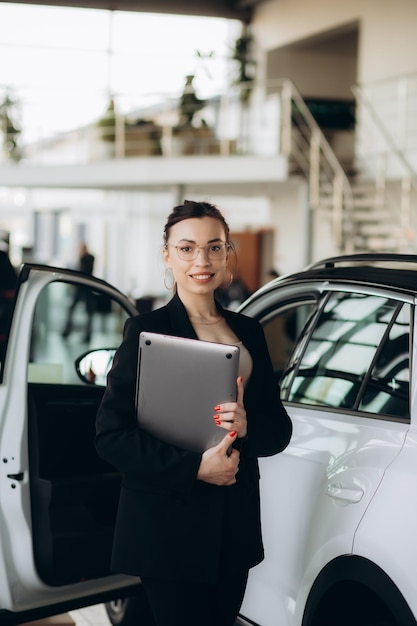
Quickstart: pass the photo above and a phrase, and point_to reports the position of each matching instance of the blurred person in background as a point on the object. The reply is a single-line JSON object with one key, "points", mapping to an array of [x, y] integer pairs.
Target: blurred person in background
{"points": [[82, 294], [8, 282]]}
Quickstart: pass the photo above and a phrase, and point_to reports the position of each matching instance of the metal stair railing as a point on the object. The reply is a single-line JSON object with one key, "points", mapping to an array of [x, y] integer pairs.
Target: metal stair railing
{"points": [[388, 156], [303, 140]]}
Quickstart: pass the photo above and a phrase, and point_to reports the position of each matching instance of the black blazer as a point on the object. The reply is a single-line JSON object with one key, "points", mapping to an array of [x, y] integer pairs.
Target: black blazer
{"points": [[170, 525]]}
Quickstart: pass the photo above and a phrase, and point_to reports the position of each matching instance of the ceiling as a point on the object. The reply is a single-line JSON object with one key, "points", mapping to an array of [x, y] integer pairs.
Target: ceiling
{"points": [[235, 9]]}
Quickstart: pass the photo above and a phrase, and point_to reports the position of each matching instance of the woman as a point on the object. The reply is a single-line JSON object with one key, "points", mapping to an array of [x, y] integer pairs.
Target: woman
{"points": [[189, 524]]}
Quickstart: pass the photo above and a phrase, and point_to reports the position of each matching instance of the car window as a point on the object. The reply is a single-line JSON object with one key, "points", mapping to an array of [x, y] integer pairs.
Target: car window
{"points": [[68, 322], [387, 388], [349, 356], [282, 333]]}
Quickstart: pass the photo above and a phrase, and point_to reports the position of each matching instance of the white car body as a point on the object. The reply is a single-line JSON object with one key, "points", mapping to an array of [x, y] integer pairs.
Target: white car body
{"points": [[340, 496]]}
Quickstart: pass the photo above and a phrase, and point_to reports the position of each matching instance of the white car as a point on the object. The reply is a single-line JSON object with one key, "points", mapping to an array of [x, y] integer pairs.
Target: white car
{"points": [[338, 505], [57, 498]]}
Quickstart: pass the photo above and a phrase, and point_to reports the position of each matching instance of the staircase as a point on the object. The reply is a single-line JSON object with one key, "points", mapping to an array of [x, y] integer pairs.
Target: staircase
{"points": [[387, 208], [372, 208]]}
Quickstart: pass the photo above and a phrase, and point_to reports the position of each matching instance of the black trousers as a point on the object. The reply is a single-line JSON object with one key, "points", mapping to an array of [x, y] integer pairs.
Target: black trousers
{"points": [[179, 603]]}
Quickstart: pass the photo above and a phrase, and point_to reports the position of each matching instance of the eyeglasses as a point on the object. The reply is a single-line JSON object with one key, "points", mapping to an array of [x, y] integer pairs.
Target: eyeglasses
{"points": [[189, 251]]}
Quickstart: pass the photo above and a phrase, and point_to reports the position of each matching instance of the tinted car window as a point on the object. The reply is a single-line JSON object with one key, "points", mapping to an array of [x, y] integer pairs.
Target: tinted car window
{"points": [[344, 346], [387, 389]]}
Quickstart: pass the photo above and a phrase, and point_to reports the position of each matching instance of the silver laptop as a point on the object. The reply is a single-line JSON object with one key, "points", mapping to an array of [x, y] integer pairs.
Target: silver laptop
{"points": [[180, 381]]}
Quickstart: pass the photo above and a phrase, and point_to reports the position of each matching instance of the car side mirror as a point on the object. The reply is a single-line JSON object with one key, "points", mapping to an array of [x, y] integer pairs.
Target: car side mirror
{"points": [[92, 367]]}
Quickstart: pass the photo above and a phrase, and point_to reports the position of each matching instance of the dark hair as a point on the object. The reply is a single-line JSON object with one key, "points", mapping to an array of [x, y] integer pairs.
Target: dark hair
{"points": [[192, 209]]}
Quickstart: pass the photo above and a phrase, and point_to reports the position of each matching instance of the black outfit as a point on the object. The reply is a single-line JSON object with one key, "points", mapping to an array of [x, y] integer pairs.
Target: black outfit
{"points": [[170, 526], [82, 294]]}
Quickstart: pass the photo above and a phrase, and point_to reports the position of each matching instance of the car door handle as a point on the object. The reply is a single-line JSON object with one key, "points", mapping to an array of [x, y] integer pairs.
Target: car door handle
{"points": [[19, 476], [349, 495]]}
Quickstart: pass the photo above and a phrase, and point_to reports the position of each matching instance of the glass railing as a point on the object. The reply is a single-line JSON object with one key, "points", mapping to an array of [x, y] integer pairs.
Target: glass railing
{"points": [[386, 149], [245, 120]]}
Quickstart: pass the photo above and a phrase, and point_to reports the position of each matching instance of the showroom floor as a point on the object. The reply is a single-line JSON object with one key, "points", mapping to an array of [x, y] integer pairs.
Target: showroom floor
{"points": [[91, 616]]}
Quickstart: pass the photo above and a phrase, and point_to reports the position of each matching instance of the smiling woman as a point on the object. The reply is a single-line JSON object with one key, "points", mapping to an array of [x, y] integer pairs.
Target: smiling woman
{"points": [[197, 265], [184, 515]]}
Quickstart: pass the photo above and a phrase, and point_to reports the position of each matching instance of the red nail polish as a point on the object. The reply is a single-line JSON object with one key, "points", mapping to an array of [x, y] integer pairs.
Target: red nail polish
{"points": [[232, 433], [216, 417], [218, 422], [217, 408]]}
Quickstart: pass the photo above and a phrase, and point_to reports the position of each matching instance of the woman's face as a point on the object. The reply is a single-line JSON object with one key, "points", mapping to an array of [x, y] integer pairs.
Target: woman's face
{"points": [[204, 273]]}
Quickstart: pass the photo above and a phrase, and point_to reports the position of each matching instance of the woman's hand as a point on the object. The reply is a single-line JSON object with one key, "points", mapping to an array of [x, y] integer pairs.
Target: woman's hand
{"points": [[232, 415], [220, 464]]}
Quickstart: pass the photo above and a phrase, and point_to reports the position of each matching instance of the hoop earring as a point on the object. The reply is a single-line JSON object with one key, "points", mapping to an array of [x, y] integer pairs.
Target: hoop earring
{"points": [[231, 278], [168, 272]]}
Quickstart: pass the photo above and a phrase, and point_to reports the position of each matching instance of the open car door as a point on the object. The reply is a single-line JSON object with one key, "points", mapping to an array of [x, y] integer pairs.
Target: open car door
{"points": [[57, 497]]}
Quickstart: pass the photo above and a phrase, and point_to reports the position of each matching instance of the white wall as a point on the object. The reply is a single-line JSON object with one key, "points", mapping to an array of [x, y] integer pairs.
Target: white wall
{"points": [[324, 69], [288, 217], [387, 44]]}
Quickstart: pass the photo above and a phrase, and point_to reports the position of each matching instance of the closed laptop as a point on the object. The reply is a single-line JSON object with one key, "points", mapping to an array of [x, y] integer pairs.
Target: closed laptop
{"points": [[180, 381]]}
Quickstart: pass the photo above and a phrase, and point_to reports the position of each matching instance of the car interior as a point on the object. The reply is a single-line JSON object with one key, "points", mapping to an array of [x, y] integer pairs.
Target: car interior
{"points": [[74, 493]]}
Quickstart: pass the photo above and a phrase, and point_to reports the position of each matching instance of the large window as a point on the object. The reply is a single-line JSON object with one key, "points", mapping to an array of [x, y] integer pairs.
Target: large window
{"points": [[142, 57]]}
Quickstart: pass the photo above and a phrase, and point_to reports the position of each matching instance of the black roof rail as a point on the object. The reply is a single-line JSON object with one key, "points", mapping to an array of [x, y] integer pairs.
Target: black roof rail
{"points": [[371, 257]]}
